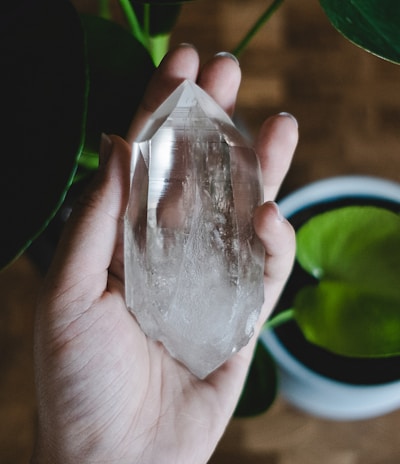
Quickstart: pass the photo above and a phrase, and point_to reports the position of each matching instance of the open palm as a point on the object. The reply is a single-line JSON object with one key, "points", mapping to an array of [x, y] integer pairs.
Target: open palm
{"points": [[107, 393]]}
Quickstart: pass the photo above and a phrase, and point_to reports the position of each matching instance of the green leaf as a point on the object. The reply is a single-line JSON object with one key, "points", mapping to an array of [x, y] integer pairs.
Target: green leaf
{"points": [[260, 389], [355, 254], [370, 24], [43, 91], [355, 244], [119, 70], [349, 320]]}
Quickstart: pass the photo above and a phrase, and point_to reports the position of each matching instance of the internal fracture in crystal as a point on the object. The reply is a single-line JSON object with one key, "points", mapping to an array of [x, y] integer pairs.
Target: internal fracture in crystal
{"points": [[193, 264]]}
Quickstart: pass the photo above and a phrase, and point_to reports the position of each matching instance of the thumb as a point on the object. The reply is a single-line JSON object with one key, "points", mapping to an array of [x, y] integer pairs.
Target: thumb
{"points": [[94, 230]]}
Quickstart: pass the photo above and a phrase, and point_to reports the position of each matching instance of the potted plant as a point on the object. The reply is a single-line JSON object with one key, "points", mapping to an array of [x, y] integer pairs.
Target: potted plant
{"points": [[340, 359], [67, 77]]}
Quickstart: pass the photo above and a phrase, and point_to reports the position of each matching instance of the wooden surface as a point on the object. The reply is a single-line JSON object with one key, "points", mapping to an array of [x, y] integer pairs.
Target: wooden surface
{"points": [[348, 106]]}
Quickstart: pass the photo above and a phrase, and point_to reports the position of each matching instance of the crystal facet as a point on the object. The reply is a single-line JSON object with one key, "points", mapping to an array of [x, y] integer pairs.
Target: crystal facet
{"points": [[193, 264]]}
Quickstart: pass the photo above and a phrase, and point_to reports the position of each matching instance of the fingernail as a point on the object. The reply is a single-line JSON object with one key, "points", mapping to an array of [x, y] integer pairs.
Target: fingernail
{"points": [[279, 215], [189, 45], [289, 115], [228, 55], [104, 150]]}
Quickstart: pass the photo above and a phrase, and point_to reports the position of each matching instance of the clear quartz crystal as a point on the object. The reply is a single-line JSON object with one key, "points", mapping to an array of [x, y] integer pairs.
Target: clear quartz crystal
{"points": [[193, 264]]}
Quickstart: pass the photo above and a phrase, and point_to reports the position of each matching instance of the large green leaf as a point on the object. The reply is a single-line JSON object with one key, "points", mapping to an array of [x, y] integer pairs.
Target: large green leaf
{"points": [[119, 70], [350, 320], [355, 254], [260, 389], [355, 244], [43, 87], [372, 24]]}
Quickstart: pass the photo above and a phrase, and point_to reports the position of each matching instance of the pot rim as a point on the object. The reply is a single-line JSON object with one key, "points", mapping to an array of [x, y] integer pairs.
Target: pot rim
{"points": [[338, 187]]}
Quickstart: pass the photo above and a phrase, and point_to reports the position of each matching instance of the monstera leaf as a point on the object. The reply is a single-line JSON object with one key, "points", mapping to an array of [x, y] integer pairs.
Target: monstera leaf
{"points": [[354, 252], [371, 24], [43, 94]]}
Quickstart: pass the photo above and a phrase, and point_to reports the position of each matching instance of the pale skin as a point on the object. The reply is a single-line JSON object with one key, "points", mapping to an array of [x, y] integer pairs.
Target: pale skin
{"points": [[106, 393]]}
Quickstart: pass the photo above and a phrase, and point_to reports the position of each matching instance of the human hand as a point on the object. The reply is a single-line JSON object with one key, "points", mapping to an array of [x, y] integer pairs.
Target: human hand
{"points": [[107, 393]]}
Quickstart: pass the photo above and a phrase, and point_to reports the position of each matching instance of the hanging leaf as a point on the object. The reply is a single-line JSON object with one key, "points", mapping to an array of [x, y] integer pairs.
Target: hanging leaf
{"points": [[260, 388], [119, 70], [370, 24], [43, 90], [354, 252]]}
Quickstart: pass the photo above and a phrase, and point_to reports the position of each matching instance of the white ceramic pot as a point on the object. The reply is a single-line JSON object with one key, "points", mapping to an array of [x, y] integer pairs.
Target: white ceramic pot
{"points": [[305, 389]]}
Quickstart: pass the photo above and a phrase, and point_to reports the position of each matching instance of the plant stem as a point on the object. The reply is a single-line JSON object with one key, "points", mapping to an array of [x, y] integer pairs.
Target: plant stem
{"points": [[255, 28], [133, 21], [279, 319], [158, 47], [89, 160], [104, 9], [146, 19]]}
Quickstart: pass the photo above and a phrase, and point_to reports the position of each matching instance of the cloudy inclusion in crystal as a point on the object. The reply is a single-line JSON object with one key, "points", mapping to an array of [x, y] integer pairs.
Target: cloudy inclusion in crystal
{"points": [[193, 264]]}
